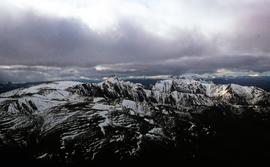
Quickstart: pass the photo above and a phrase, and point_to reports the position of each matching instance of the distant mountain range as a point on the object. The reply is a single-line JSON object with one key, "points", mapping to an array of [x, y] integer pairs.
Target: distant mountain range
{"points": [[71, 122], [259, 81]]}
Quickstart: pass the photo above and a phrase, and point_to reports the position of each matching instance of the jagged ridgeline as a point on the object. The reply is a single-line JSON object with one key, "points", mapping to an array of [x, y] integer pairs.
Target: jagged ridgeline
{"points": [[176, 119]]}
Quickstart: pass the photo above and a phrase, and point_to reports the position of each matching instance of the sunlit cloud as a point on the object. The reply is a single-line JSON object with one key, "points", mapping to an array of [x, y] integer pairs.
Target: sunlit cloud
{"points": [[228, 72], [125, 67]]}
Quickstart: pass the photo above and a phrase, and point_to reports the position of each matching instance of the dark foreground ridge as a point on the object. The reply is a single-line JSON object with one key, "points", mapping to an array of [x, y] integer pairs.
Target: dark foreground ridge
{"points": [[70, 123]]}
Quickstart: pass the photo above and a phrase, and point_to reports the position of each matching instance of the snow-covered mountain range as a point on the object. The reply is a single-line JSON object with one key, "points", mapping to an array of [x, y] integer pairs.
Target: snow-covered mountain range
{"points": [[70, 122]]}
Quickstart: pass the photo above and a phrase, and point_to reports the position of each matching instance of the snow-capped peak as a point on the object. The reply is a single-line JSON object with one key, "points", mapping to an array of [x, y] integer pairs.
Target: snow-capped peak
{"points": [[82, 120]]}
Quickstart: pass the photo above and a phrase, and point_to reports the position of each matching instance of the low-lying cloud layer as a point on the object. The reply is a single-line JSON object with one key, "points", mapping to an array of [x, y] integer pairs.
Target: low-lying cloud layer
{"points": [[155, 40]]}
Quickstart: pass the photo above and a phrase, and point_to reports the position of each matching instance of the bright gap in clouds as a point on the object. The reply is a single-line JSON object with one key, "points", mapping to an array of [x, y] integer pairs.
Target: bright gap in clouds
{"points": [[163, 18]]}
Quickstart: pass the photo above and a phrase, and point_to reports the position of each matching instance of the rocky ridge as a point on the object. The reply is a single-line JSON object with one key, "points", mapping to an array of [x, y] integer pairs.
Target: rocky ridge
{"points": [[73, 122]]}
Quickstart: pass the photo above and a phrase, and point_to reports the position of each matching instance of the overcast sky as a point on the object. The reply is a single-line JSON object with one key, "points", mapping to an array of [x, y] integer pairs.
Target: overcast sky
{"points": [[51, 39]]}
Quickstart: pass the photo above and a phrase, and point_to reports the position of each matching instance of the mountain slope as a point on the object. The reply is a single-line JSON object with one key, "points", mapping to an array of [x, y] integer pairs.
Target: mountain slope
{"points": [[73, 122]]}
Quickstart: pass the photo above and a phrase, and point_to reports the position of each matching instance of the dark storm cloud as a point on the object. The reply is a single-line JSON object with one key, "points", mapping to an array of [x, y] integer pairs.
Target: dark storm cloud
{"points": [[212, 63], [34, 39], [253, 30], [30, 38]]}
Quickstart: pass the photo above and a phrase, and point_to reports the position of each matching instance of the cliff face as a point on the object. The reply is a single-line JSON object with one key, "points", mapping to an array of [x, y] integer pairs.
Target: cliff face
{"points": [[72, 122]]}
